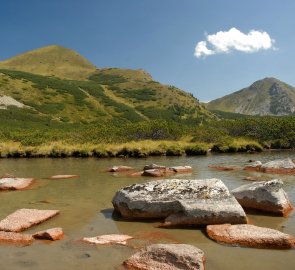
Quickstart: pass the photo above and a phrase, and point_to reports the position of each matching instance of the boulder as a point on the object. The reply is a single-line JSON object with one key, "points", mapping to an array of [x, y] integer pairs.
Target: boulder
{"points": [[13, 183], [268, 196], [15, 238], [63, 176], [108, 239], [285, 166], [181, 169], [224, 168], [25, 218], [120, 169], [154, 166], [180, 202], [52, 234], [254, 166], [157, 172], [167, 257], [136, 174], [250, 236]]}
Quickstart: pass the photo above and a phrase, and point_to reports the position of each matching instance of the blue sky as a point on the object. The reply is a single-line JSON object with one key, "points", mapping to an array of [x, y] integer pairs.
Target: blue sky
{"points": [[159, 36]]}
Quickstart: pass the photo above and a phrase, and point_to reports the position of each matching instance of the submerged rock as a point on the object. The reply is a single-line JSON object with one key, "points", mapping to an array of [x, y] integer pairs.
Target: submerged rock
{"points": [[254, 166], [250, 236], [15, 238], [13, 183], [120, 169], [180, 202], [284, 166], [25, 218], [268, 196], [224, 168], [154, 166], [167, 257], [63, 176], [50, 234], [108, 239], [181, 169], [158, 172]]}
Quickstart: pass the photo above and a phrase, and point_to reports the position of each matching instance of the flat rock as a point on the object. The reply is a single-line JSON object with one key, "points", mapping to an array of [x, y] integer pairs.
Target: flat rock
{"points": [[167, 257], [25, 218], [156, 172], [108, 239], [15, 238], [120, 169], [13, 183], [154, 166], [52, 234], [181, 169], [180, 202], [250, 236], [253, 166], [284, 166], [63, 176], [224, 168], [136, 174], [268, 196]]}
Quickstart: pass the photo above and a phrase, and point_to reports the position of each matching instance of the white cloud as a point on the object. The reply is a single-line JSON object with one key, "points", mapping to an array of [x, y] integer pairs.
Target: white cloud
{"points": [[234, 40]]}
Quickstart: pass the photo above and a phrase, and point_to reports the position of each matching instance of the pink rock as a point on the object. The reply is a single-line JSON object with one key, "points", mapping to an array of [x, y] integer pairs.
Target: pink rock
{"points": [[120, 169], [136, 174], [50, 234], [12, 183], [25, 218], [108, 239], [63, 176], [15, 238], [181, 169]]}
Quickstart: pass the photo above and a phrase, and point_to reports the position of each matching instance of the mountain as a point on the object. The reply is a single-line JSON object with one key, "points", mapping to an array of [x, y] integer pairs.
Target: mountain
{"points": [[268, 96], [55, 84], [51, 61]]}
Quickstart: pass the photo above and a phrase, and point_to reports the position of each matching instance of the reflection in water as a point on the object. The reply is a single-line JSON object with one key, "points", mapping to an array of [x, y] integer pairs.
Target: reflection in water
{"points": [[86, 210]]}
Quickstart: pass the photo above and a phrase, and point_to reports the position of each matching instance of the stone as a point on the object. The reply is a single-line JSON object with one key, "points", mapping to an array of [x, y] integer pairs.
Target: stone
{"points": [[268, 196], [108, 239], [167, 257], [63, 176], [25, 218], [285, 166], [52, 234], [136, 174], [180, 202], [224, 168], [246, 235], [154, 166], [181, 169], [120, 169], [13, 183], [15, 238], [254, 166], [154, 172]]}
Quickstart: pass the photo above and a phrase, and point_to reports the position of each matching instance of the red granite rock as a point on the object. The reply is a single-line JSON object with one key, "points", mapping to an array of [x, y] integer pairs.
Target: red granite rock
{"points": [[25, 218], [250, 236], [120, 169], [284, 166], [63, 176], [254, 166], [50, 234], [181, 169], [108, 239], [13, 183], [167, 257], [15, 238], [224, 168], [136, 174]]}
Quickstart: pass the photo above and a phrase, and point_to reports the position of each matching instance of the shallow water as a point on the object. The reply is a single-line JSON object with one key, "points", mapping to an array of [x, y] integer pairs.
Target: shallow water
{"points": [[86, 210]]}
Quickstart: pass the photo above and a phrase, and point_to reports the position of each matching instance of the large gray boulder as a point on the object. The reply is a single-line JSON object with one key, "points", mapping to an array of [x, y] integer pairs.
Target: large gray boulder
{"points": [[268, 196], [284, 166], [167, 257], [180, 202]]}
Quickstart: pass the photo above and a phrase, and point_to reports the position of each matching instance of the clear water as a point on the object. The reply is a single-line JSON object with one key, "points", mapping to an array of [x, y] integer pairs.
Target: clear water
{"points": [[86, 210]]}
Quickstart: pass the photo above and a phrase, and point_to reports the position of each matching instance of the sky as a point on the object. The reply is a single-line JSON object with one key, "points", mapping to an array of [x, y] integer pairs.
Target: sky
{"points": [[209, 48]]}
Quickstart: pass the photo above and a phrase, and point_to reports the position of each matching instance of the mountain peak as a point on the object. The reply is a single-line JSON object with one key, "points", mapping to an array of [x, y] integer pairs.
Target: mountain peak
{"points": [[53, 60]]}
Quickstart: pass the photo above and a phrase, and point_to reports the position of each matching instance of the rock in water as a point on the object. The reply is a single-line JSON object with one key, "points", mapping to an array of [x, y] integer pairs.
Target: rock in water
{"points": [[108, 239], [120, 169], [167, 257], [63, 176], [15, 238], [180, 202], [268, 196], [52, 234], [25, 218], [286, 166], [12, 183], [250, 236], [254, 166]]}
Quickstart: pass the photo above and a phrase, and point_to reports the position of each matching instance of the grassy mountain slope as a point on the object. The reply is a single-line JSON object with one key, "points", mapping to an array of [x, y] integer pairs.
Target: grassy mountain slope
{"points": [[264, 97], [99, 95], [51, 61]]}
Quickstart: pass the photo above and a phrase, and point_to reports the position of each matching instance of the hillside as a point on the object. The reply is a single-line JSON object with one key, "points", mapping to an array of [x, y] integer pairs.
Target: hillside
{"points": [[264, 97], [51, 61], [36, 86]]}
